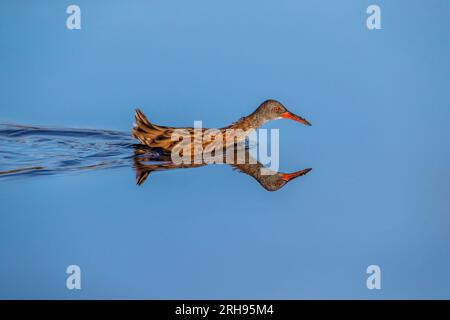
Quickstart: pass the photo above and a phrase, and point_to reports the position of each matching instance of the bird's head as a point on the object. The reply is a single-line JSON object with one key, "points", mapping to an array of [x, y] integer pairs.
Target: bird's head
{"points": [[273, 110]]}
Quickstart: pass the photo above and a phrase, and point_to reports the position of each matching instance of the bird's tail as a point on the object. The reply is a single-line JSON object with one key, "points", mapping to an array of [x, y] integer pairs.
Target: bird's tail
{"points": [[143, 129]]}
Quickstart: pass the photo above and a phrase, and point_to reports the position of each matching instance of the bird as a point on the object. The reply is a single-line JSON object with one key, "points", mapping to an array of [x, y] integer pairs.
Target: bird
{"points": [[268, 179], [157, 136]]}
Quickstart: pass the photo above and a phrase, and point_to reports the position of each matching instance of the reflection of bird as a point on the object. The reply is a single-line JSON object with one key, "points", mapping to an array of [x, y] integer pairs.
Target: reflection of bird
{"points": [[161, 137], [269, 180]]}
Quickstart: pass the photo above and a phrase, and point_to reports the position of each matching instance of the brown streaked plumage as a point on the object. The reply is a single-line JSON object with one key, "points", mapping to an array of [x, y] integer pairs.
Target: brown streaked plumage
{"points": [[156, 136]]}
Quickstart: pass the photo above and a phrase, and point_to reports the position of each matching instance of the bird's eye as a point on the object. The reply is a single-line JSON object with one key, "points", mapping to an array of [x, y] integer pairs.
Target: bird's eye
{"points": [[277, 108]]}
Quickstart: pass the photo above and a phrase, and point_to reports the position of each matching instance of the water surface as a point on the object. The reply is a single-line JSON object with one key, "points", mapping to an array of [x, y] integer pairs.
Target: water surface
{"points": [[31, 150]]}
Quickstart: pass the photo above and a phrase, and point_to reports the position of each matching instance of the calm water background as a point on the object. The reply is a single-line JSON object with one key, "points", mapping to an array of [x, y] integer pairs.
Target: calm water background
{"points": [[378, 193]]}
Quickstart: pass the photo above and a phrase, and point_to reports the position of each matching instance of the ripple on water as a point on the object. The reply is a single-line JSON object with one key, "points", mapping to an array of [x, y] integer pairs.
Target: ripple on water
{"points": [[30, 150]]}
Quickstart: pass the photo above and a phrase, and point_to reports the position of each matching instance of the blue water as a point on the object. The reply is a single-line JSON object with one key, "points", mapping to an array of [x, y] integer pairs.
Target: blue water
{"points": [[31, 151], [378, 193]]}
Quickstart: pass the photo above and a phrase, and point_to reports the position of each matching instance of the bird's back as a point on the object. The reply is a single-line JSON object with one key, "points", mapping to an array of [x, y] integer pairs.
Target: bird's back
{"points": [[158, 136]]}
